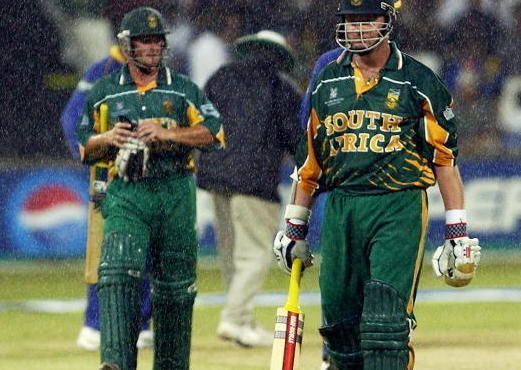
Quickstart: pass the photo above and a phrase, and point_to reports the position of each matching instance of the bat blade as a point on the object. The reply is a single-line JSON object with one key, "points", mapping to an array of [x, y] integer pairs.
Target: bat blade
{"points": [[289, 327]]}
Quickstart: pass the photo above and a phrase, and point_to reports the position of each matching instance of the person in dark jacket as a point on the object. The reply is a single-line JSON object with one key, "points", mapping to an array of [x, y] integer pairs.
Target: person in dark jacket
{"points": [[259, 105]]}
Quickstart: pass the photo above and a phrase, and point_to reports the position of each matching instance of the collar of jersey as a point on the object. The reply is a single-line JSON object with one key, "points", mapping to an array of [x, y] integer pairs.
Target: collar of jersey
{"points": [[394, 63], [125, 79]]}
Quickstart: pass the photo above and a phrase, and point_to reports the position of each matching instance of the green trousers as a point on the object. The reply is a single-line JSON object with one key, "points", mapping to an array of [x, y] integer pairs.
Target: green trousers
{"points": [[149, 228], [370, 245]]}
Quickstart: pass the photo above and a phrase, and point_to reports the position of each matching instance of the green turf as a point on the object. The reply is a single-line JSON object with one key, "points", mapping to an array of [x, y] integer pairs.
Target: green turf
{"points": [[64, 279], [46, 342], [459, 336]]}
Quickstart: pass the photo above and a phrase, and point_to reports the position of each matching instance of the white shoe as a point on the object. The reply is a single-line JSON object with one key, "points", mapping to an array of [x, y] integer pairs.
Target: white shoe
{"points": [[145, 339], [245, 335], [325, 365], [229, 331], [255, 336], [88, 339]]}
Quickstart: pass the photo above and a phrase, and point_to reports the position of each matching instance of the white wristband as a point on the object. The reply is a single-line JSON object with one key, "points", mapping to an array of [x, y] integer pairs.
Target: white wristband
{"points": [[295, 211], [455, 216]]}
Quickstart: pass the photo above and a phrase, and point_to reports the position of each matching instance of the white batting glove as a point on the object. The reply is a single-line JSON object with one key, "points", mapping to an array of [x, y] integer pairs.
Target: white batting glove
{"points": [[286, 250], [458, 258], [130, 147], [121, 163], [292, 243]]}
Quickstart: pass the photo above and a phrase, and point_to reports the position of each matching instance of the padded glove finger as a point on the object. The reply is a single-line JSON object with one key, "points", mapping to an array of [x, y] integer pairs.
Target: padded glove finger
{"points": [[282, 249]]}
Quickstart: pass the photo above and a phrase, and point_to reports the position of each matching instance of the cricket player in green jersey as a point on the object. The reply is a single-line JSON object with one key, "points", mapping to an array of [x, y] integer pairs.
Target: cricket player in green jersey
{"points": [[381, 131], [156, 119]]}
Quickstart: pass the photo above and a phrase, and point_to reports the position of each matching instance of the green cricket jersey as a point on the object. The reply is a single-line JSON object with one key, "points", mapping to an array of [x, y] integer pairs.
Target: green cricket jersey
{"points": [[381, 137], [174, 101]]}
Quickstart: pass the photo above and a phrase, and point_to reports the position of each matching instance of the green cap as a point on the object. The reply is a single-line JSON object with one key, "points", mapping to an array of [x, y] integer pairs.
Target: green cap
{"points": [[376, 7], [142, 21]]}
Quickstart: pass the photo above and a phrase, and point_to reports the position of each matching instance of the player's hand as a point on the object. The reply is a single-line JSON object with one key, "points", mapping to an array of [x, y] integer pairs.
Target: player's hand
{"points": [[457, 260], [291, 243], [120, 134], [286, 250], [151, 131]]}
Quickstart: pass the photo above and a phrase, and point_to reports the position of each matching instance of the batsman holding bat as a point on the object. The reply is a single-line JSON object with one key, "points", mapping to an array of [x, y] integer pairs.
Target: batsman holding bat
{"points": [[156, 120], [381, 131]]}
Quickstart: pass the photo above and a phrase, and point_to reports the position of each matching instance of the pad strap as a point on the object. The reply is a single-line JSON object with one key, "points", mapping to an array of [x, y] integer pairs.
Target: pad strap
{"points": [[343, 343]]}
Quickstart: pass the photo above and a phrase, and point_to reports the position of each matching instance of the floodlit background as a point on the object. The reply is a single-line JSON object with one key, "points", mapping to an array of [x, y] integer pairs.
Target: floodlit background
{"points": [[48, 44]]}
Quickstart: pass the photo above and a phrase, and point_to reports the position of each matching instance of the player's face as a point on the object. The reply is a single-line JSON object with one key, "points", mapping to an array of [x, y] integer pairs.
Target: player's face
{"points": [[363, 31], [148, 50]]}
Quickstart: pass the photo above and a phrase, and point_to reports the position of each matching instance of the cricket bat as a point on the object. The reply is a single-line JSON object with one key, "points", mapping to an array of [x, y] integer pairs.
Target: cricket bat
{"points": [[289, 326], [98, 187]]}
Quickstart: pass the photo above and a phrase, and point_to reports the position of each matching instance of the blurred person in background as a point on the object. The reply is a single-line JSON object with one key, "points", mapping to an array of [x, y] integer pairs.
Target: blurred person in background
{"points": [[474, 71], [419, 29], [512, 43], [321, 17], [33, 91], [156, 119], [89, 336], [510, 99], [219, 24], [259, 107], [181, 35]]}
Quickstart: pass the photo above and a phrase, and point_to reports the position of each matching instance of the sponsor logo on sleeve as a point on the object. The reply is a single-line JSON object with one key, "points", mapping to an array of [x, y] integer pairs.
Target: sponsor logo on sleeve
{"points": [[448, 113]]}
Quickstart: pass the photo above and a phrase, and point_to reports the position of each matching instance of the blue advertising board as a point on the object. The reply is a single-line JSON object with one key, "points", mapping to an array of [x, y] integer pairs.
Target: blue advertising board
{"points": [[44, 210], [492, 201]]}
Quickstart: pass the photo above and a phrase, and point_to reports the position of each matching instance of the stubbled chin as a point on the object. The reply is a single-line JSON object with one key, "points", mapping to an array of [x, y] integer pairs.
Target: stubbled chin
{"points": [[151, 62]]}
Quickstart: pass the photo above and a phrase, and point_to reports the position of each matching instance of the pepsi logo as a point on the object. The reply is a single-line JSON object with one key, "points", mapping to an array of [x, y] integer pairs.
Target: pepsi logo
{"points": [[50, 206], [47, 214]]}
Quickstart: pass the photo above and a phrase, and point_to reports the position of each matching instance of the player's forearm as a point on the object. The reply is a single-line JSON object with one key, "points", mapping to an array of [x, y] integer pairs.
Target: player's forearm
{"points": [[196, 136], [97, 147], [303, 199], [451, 187]]}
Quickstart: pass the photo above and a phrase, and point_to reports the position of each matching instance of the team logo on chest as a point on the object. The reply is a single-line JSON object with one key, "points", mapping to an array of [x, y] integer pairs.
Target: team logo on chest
{"points": [[393, 98], [168, 107], [119, 110], [333, 97], [356, 2]]}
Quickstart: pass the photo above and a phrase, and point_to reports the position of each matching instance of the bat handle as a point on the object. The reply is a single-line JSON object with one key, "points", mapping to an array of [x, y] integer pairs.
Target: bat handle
{"points": [[104, 117], [103, 127], [294, 286]]}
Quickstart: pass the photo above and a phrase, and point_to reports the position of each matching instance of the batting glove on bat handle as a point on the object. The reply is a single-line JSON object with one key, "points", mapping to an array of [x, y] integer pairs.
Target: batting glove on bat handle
{"points": [[287, 249]]}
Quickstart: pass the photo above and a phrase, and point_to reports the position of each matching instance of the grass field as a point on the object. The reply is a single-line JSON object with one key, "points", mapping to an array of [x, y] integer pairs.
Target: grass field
{"points": [[462, 336]]}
